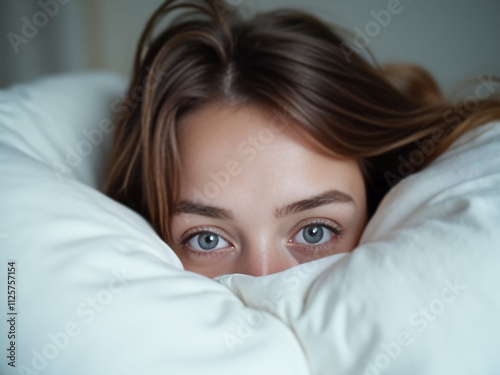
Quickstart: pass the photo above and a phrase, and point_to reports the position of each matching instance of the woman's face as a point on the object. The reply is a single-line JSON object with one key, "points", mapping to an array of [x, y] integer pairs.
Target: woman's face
{"points": [[258, 196]]}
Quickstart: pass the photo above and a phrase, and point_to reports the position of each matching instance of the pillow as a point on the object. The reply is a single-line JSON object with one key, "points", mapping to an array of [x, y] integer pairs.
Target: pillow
{"points": [[64, 121], [418, 295], [87, 285], [97, 291]]}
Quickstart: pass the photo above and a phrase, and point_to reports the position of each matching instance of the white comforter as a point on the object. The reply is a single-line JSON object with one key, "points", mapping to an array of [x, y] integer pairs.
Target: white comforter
{"points": [[97, 292], [419, 295]]}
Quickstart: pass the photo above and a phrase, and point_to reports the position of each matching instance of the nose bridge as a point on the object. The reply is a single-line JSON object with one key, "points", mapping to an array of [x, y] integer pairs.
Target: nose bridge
{"points": [[264, 258]]}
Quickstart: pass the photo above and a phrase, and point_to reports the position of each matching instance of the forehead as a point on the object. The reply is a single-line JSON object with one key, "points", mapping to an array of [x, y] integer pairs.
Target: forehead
{"points": [[223, 123], [252, 151], [222, 130]]}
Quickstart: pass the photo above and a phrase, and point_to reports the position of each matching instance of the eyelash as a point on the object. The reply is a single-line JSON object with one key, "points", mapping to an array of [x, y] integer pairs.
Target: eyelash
{"points": [[197, 231], [337, 231], [310, 249]]}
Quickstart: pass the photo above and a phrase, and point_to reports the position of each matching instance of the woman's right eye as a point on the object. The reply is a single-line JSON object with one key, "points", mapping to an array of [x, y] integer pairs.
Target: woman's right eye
{"points": [[206, 241]]}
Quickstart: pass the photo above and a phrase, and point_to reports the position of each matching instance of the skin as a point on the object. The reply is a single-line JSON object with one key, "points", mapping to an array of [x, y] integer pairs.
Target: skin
{"points": [[267, 193]]}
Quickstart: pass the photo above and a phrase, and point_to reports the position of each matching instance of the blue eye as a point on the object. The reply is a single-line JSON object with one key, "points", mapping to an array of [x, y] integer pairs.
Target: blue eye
{"points": [[313, 234], [206, 241]]}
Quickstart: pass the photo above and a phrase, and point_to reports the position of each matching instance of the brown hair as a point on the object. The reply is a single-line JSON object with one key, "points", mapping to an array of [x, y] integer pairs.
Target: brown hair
{"points": [[283, 59]]}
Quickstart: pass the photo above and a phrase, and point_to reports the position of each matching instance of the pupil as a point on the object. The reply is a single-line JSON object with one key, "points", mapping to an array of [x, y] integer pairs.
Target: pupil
{"points": [[313, 233], [208, 241]]}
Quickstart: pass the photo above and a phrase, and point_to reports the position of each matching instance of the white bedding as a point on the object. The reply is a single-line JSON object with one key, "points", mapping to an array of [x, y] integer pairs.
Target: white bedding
{"points": [[98, 292], [418, 296]]}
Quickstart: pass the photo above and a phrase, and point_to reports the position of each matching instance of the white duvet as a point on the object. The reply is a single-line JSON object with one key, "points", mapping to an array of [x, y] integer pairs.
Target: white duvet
{"points": [[97, 292]]}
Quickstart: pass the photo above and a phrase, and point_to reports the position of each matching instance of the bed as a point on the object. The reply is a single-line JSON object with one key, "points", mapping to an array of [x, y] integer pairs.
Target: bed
{"points": [[89, 288]]}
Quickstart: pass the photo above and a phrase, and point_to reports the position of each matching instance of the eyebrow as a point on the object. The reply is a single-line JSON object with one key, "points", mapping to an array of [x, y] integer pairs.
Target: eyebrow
{"points": [[328, 197]]}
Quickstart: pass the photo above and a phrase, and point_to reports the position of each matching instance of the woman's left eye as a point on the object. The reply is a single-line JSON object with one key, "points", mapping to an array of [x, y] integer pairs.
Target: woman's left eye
{"points": [[313, 235]]}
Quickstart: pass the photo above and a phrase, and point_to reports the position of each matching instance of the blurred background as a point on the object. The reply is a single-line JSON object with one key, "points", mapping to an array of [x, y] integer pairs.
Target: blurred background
{"points": [[453, 39]]}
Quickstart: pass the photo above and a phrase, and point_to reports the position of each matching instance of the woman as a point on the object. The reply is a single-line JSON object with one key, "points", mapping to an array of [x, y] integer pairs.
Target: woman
{"points": [[255, 145]]}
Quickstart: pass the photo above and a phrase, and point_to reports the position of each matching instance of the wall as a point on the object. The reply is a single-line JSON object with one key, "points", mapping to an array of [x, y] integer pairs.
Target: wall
{"points": [[453, 39]]}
